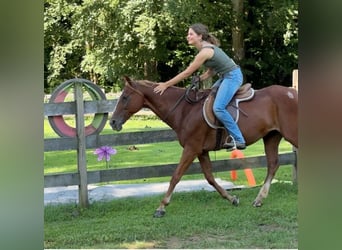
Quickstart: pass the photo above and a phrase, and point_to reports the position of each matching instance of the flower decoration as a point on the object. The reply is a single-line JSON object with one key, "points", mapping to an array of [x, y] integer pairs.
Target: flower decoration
{"points": [[104, 152]]}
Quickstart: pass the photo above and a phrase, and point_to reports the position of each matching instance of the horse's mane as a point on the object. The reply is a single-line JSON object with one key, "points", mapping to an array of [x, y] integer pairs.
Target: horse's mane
{"points": [[152, 84], [146, 83]]}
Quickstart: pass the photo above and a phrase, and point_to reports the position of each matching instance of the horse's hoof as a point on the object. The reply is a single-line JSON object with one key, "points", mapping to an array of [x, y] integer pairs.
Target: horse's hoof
{"points": [[159, 213], [257, 204], [236, 201]]}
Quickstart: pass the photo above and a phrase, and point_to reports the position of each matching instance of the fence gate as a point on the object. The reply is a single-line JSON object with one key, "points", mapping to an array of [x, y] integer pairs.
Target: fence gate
{"points": [[78, 87]]}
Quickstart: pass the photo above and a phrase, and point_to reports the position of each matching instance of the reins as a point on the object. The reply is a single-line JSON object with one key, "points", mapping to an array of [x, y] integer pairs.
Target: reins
{"points": [[194, 86], [195, 81], [174, 106]]}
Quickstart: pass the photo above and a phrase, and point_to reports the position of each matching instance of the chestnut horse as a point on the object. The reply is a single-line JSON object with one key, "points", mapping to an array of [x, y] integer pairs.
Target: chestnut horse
{"points": [[270, 115]]}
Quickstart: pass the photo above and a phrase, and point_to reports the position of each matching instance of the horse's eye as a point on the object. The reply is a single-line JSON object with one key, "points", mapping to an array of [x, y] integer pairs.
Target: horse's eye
{"points": [[125, 99]]}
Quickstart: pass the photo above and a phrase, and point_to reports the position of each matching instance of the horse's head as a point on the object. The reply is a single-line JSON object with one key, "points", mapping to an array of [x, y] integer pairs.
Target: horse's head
{"points": [[130, 102]]}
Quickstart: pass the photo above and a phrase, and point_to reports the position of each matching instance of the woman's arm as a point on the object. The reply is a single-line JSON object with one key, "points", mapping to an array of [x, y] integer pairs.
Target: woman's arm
{"points": [[200, 58], [208, 73]]}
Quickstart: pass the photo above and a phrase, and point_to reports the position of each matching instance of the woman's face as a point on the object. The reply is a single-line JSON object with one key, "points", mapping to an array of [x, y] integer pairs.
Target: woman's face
{"points": [[193, 38]]}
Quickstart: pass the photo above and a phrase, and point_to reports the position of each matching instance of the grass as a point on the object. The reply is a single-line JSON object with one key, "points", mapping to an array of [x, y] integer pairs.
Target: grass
{"points": [[194, 219]]}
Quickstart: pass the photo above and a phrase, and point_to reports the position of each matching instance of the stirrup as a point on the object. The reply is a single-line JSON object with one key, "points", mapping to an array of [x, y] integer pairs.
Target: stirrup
{"points": [[232, 140]]}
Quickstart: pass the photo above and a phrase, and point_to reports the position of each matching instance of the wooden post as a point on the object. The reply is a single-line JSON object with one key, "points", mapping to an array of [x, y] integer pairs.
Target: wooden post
{"points": [[294, 169], [81, 147], [295, 79], [295, 150]]}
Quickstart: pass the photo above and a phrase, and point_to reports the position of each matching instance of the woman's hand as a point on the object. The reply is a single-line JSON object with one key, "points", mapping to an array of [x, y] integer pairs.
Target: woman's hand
{"points": [[160, 88]]}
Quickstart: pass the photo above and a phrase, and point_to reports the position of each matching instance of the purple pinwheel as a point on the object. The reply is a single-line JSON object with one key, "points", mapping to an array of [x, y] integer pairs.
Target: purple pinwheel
{"points": [[104, 152]]}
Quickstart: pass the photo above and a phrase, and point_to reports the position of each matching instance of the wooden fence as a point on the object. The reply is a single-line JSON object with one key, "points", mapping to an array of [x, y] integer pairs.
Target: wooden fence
{"points": [[82, 142]]}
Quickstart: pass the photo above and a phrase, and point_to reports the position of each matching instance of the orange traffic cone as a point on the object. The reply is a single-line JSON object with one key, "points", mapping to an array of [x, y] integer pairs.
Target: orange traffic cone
{"points": [[235, 154]]}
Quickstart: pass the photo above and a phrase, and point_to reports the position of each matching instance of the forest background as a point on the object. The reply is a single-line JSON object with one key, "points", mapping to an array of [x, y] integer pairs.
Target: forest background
{"points": [[146, 39]]}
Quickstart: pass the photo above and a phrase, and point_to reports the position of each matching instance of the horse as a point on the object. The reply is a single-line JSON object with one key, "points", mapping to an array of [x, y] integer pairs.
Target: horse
{"points": [[271, 115]]}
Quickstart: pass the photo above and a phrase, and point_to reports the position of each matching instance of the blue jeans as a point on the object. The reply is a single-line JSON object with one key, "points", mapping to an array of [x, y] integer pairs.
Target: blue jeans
{"points": [[228, 84]]}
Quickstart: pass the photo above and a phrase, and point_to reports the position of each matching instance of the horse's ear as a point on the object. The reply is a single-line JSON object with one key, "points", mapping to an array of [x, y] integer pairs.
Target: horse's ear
{"points": [[128, 81]]}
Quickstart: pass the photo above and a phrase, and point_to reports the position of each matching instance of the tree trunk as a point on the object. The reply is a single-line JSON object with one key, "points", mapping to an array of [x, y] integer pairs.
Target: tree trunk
{"points": [[150, 70], [237, 33]]}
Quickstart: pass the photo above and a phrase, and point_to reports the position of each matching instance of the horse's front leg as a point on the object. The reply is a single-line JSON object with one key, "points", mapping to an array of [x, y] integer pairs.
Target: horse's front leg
{"points": [[271, 142], [207, 171], [187, 158]]}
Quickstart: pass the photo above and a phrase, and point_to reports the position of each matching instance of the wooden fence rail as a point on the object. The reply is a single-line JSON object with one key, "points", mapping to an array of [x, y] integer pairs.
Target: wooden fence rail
{"points": [[68, 108], [81, 142], [133, 173], [94, 141]]}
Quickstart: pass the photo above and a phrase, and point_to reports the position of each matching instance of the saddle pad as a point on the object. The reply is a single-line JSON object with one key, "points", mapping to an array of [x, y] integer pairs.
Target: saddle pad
{"points": [[233, 109], [208, 113]]}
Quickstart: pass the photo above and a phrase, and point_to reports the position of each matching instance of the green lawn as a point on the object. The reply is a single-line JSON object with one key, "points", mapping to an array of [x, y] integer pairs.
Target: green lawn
{"points": [[199, 219]]}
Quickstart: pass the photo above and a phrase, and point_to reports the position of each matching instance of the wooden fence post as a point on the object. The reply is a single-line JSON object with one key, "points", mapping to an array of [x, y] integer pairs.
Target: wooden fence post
{"points": [[81, 148], [295, 79], [295, 150]]}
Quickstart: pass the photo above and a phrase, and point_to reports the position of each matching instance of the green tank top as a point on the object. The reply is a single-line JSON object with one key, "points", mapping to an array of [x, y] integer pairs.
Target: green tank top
{"points": [[221, 63]]}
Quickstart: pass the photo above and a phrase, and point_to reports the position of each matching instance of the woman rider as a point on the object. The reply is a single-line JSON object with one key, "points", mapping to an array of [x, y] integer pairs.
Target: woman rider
{"points": [[217, 62]]}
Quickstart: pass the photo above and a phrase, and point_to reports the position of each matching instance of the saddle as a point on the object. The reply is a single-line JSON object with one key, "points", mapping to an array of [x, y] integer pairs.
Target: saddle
{"points": [[244, 93]]}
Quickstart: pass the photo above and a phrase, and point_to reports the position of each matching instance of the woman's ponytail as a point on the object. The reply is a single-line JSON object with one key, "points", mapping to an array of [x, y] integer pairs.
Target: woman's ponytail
{"points": [[213, 40]]}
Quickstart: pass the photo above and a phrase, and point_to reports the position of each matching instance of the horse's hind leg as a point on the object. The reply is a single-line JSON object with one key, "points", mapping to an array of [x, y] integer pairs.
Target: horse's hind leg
{"points": [[206, 168], [271, 144]]}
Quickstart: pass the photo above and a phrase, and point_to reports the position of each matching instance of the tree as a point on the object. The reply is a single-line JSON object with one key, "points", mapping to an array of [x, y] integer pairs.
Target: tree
{"points": [[104, 40], [271, 44]]}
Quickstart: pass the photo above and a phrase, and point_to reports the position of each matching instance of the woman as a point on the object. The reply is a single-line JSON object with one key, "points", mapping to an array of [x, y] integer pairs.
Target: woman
{"points": [[216, 62]]}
